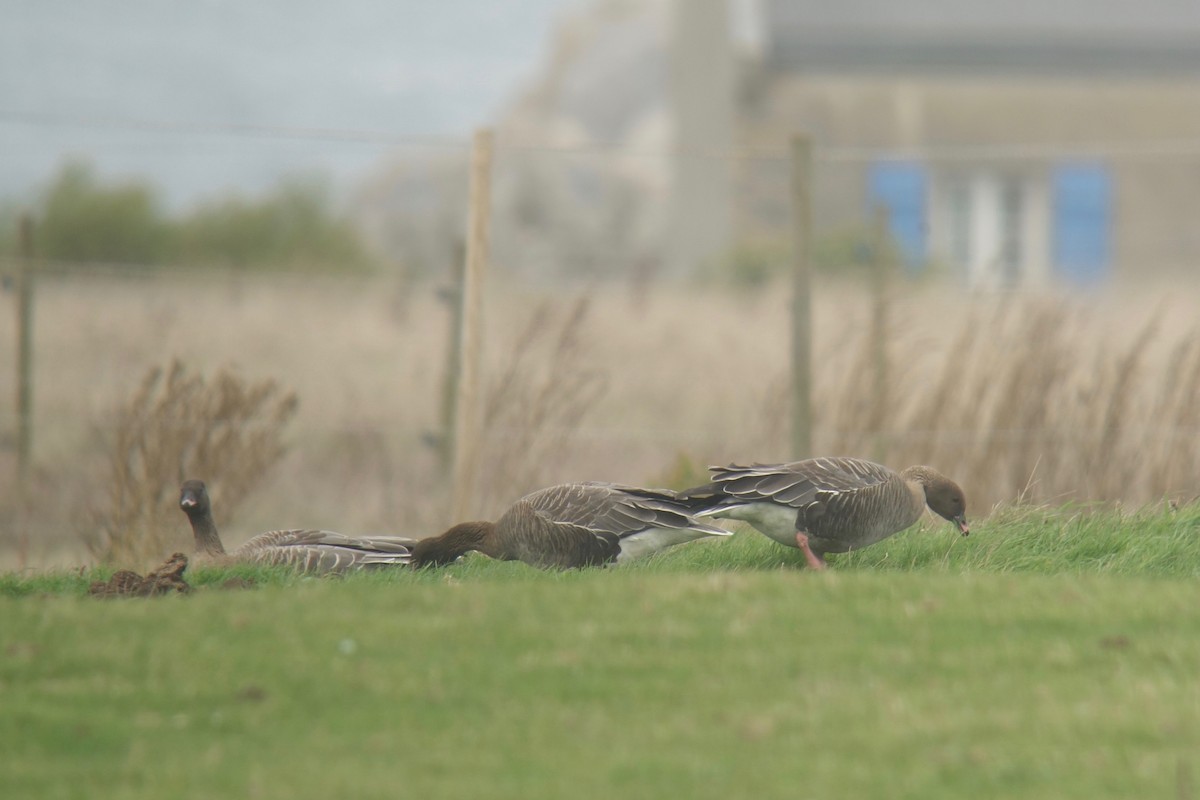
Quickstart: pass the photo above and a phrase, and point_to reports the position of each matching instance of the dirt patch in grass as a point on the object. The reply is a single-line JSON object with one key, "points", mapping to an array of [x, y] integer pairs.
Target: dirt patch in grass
{"points": [[166, 579]]}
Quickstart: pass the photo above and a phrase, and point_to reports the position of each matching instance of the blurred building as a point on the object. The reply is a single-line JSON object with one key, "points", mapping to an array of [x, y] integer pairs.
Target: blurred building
{"points": [[1011, 143], [579, 184], [1014, 142]]}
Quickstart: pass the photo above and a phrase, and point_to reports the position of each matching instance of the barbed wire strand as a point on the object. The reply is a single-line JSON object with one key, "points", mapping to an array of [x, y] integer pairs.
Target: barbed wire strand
{"points": [[1169, 148]]}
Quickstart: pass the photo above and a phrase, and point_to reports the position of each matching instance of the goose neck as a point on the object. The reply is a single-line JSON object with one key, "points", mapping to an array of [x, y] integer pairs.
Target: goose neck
{"points": [[456, 541], [204, 531]]}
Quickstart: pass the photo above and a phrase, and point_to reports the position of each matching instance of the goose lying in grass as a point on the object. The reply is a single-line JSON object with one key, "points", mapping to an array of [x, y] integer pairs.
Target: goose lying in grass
{"points": [[309, 551], [828, 505], [573, 525]]}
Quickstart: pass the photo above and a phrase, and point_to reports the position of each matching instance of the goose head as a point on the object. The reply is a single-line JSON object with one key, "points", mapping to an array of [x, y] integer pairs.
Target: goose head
{"points": [[193, 498], [437, 551], [946, 499], [943, 496]]}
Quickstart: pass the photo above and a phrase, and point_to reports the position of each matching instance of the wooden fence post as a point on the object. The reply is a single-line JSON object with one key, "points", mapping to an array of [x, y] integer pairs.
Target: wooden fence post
{"points": [[801, 297], [25, 279], [465, 452], [881, 267]]}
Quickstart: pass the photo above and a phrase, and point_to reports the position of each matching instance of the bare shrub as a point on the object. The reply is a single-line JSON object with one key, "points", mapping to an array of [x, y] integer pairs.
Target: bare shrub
{"points": [[534, 403], [175, 426]]}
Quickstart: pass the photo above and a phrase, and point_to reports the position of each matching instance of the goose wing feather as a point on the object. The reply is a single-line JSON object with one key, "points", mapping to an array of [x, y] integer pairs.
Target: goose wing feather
{"points": [[562, 544], [613, 510], [324, 551], [830, 481]]}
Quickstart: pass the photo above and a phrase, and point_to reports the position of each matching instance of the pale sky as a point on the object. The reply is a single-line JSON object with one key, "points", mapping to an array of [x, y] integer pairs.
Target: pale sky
{"points": [[80, 77]]}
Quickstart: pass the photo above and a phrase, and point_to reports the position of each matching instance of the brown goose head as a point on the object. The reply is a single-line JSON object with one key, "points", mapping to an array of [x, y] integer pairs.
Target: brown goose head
{"points": [[944, 496], [193, 500], [437, 551]]}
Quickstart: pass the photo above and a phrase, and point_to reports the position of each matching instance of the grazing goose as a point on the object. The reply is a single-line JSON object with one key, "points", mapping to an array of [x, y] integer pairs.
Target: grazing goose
{"points": [[573, 525], [313, 552], [828, 505]]}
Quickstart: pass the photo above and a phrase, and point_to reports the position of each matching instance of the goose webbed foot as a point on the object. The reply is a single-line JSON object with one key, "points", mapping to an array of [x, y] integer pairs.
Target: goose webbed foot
{"points": [[814, 560]]}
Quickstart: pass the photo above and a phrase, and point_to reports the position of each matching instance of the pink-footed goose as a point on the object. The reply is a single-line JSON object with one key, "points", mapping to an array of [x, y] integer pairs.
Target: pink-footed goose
{"points": [[573, 525], [828, 505], [309, 551]]}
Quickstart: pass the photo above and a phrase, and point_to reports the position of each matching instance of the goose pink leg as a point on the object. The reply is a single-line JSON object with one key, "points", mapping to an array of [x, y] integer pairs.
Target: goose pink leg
{"points": [[814, 560]]}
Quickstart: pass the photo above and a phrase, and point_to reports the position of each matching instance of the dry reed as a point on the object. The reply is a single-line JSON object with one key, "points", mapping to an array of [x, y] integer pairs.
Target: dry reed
{"points": [[1026, 402], [536, 399]]}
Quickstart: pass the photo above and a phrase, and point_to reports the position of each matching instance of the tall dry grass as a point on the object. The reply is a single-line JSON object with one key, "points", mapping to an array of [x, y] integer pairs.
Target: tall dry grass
{"points": [[1028, 399], [542, 390], [1047, 398]]}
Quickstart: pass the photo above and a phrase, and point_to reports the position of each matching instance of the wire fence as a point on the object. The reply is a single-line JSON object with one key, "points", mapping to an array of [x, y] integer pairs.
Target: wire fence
{"points": [[1151, 148], [690, 371]]}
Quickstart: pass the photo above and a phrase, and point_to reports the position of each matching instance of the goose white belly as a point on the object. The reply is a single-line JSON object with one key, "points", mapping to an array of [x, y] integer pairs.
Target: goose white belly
{"points": [[772, 519], [652, 540]]}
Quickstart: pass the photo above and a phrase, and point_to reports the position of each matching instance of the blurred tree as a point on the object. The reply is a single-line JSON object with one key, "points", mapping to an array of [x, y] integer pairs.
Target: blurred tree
{"points": [[84, 221], [10, 215], [293, 228]]}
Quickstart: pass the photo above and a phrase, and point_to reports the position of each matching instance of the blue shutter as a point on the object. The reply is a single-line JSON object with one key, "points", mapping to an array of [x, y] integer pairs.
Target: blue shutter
{"points": [[900, 187], [1082, 222]]}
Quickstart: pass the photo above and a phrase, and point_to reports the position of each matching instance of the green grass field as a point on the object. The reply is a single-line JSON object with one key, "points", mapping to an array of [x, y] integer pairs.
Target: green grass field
{"points": [[1051, 654]]}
